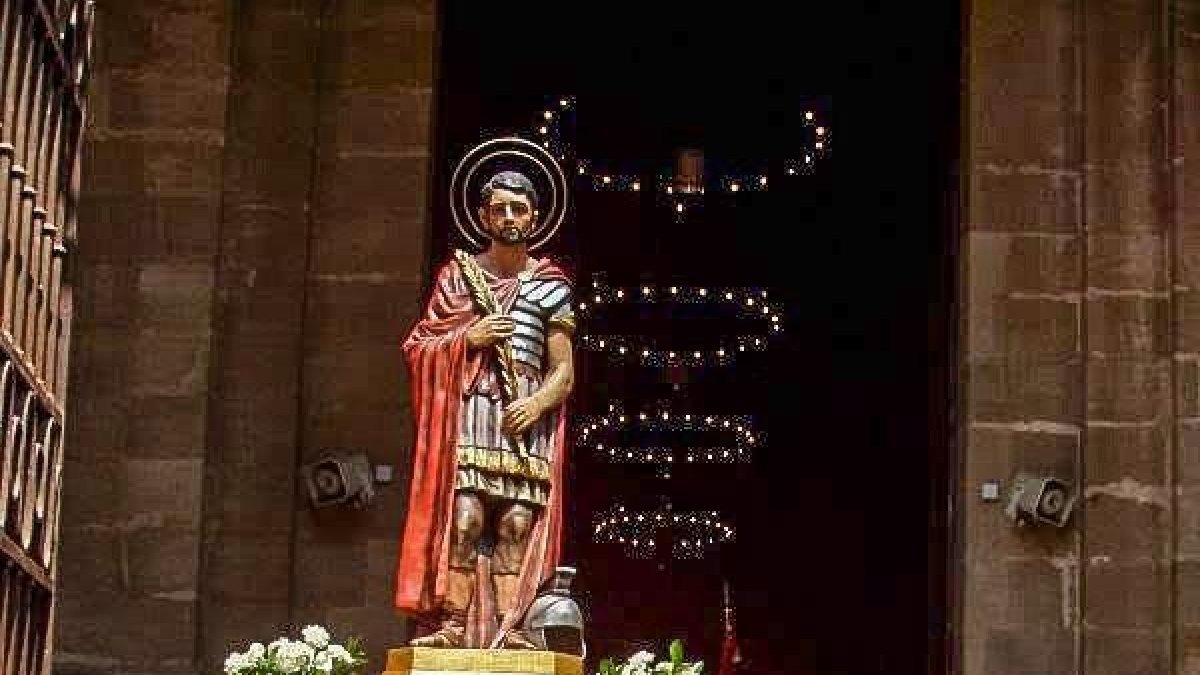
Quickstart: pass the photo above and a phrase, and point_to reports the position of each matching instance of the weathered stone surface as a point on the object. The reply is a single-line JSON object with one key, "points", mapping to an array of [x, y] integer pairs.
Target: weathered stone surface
{"points": [[1124, 652], [1126, 596], [1128, 325], [1007, 390]]}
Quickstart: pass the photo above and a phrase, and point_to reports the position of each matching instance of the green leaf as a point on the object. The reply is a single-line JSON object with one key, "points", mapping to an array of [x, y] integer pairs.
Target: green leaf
{"points": [[676, 654], [607, 667]]}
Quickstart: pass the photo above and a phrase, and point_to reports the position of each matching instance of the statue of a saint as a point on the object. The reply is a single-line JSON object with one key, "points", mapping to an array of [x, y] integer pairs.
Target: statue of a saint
{"points": [[491, 369]]}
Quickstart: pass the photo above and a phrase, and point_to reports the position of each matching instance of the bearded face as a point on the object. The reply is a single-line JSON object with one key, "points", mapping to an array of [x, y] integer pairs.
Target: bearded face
{"points": [[508, 216]]}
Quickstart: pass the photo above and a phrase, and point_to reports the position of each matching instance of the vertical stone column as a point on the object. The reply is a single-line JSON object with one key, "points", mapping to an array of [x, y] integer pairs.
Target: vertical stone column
{"points": [[139, 378], [369, 249], [254, 425], [1080, 279], [1126, 515], [1183, 143], [1023, 368]]}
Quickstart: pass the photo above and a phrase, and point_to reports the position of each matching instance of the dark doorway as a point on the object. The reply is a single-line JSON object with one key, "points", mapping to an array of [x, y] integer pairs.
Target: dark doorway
{"points": [[840, 560]]}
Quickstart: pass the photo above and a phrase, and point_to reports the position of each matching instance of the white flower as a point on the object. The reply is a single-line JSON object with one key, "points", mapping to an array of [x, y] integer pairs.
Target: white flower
{"points": [[235, 662], [316, 636], [323, 662], [293, 657], [641, 659], [693, 668], [256, 652], [339, 653]]}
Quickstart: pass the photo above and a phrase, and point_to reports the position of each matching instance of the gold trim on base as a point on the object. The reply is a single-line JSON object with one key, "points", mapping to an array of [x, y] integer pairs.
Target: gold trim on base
{"points": [[431, 661]]}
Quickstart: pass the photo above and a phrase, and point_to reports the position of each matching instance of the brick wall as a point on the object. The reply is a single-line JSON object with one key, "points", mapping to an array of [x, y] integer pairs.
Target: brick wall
{"points": [[256, 201], [1078, 289]]}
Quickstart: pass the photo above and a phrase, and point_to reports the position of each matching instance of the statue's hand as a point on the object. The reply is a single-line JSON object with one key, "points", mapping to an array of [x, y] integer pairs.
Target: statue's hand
{"points": [[521, 414], [491, 328]]}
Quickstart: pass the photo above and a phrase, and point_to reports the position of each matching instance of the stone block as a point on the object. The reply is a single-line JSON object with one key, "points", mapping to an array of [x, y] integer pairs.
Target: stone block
{"points": [[1119, 325], [103, 292], [1127, 261], [169, 363], [168, 427], [1125, 199], [1187, 529], [1187, 320], [179, 37], [1029, 202], [395, 50], [355, 399], [380, 244], [147, 99], [256, 490], [249, 567], [176, 297], [264, 245], [370, 121], [164, 492], [1188, 449], [1127, 523], [1187, 586], [277, 45], [175, 163], [1026, 49], [179, 229], [1006, 390], [1004, 651], [1127, 596], [165, 628], [238, 623], [1040, 327], [1127, 390], [163, 564], [89, 562], [380, 579], [358, 187], [1034, 268], [1115, 454], [330, 571], [1121, 652]]}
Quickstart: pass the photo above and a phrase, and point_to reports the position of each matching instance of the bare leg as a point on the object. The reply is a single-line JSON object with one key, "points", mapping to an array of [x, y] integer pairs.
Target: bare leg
{"points": [[464, 542], [513, 527]]}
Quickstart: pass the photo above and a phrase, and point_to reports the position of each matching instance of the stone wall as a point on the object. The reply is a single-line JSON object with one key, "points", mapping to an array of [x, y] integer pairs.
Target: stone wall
{"points": [[1079, 285], [255, 219]]}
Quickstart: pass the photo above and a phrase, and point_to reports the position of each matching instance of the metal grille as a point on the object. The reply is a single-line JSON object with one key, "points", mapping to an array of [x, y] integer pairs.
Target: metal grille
{"points": [[47, 45]]}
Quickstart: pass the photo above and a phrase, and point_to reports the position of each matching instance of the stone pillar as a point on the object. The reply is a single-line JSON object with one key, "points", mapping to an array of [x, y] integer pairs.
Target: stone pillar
{"points": [[1075, 298], [136, 433], [369, 249], [252, 246], [254, 424]]}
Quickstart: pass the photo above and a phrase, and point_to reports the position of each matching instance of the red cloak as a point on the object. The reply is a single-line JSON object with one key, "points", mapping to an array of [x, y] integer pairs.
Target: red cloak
{"points": [[442, 370]]}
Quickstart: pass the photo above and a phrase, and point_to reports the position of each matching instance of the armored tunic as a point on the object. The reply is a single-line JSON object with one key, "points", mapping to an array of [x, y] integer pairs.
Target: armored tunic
{"points": [[487, 461]]}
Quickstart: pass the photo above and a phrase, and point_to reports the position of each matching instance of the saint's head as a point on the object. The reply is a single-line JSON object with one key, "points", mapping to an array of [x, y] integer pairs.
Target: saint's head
{"points": [[508, 207]]}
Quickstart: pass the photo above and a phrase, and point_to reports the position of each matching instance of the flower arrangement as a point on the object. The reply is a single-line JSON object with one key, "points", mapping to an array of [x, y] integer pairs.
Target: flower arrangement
{"points": [[313, 654], [643, 663]]}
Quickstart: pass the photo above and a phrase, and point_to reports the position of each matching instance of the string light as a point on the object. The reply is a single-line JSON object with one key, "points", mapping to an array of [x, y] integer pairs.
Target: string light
{"points": [[693, 533], [750, 303], [548, 129], [737, 433]]}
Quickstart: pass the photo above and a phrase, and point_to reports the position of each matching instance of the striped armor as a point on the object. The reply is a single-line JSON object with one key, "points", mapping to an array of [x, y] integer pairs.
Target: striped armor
{"points": [[539, 303], [487, 462]]}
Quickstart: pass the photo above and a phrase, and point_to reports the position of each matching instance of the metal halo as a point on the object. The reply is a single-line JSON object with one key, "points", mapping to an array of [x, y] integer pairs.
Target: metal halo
{"points": [[527, 155]]}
